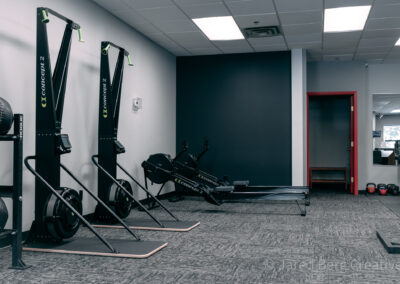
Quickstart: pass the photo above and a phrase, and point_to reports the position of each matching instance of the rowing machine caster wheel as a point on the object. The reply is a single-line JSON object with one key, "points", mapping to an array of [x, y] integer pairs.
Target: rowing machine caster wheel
{"points": [[303, 214], [119, 199], [61, 222]]}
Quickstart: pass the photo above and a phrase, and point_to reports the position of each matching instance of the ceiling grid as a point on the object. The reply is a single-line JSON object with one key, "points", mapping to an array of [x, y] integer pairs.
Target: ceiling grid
{"points": [[169, 24]]}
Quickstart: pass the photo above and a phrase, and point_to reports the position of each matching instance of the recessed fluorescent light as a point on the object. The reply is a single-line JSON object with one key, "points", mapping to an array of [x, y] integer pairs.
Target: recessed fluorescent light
{"points": [[345, 19], [395, 111], [397, 42], [219, 28]]}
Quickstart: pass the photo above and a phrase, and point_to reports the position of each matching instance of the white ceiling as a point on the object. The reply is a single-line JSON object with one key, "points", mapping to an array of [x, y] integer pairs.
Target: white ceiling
{"points": [[168, 23]]}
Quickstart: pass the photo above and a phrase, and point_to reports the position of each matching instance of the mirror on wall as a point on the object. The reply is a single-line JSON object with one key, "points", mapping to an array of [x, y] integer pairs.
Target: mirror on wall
{"points": [[386, 128]]}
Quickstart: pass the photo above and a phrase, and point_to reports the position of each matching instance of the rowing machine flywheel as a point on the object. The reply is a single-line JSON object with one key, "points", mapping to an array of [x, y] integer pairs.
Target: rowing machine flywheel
{"points": [[3, 214], [119, 199], [158, 168], [61, 222]]}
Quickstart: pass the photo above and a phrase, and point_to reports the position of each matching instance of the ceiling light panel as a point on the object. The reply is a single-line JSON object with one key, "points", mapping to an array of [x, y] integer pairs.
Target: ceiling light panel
{"points": [[219, 28], [346, 19]]}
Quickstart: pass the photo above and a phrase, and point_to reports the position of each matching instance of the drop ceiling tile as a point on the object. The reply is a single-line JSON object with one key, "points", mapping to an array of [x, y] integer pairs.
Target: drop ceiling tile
{"points": [[306, 17], [188, 36], [163, 14], [346, 3], [195, 44], [247, 21], [249, 7], [147, 4], [385, 2], [313, 37], [305, 45], [382, 41], [182, 53], [341, 40], [117, 5], [204, 51], [371, 49], [302, 29], [298, 5], [164, 41], [146, 28], [381, 33], [194, 2], [206, 10], [228, 50], [383, 23], [277, 47], [385, 11], [191, 40], [177, 26], [231, 43], [276, 40], [131, 17]]}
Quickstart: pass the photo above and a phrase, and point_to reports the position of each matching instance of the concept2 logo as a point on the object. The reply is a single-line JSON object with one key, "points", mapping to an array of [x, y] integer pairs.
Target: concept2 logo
{"points": [[104, 86], [43, 97]]}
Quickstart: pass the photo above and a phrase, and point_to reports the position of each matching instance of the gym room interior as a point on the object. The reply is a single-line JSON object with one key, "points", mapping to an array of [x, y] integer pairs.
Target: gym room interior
{"points": [[200, 141]]}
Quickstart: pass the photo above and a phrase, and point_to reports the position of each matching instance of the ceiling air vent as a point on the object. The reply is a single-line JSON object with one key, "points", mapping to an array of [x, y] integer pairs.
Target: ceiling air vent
{"points": [[256, 32]]}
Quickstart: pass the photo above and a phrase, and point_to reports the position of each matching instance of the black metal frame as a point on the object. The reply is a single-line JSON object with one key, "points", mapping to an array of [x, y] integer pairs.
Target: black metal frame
{"points": [[109, 146], [15, 192], [50, 94], [50, 143]]}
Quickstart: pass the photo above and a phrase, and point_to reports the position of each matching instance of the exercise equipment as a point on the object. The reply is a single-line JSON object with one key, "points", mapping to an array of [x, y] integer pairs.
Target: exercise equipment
{"points": [[371, 187], [393, 189], [382, 188], [58, 210], [6, 116], [115, 192], [3, 215], [187, 164], [161, 168], [14, 192]]}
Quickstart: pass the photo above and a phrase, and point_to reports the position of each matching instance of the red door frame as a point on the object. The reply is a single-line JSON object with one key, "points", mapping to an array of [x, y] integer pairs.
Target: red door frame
{"points": [[353, 136]]}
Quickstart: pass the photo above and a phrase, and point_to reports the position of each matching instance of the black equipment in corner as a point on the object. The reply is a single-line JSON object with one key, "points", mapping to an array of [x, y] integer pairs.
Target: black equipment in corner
{"points": [[58, 210]]}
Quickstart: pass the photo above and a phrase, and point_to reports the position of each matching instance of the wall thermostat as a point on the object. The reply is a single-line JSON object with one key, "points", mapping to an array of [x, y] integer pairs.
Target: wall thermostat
{"points": [[137, 104]]}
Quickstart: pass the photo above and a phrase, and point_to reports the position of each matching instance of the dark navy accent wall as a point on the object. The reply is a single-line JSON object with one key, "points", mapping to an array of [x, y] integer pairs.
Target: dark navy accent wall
{"points": [[242, 104]]}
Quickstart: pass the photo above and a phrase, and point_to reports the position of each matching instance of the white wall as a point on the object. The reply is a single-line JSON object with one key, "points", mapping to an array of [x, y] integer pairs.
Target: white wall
{"points": [[153, 78]]}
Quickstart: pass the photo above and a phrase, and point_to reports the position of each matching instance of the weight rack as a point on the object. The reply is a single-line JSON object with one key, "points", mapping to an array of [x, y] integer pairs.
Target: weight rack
{"points": [[15, 192]]}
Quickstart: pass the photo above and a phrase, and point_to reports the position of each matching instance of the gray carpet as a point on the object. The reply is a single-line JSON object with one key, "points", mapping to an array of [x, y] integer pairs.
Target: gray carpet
{"points": [[243, 243]]}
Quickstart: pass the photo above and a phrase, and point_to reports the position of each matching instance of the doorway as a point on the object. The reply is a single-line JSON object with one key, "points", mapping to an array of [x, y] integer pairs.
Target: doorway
{"points": [[332, 139]]}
